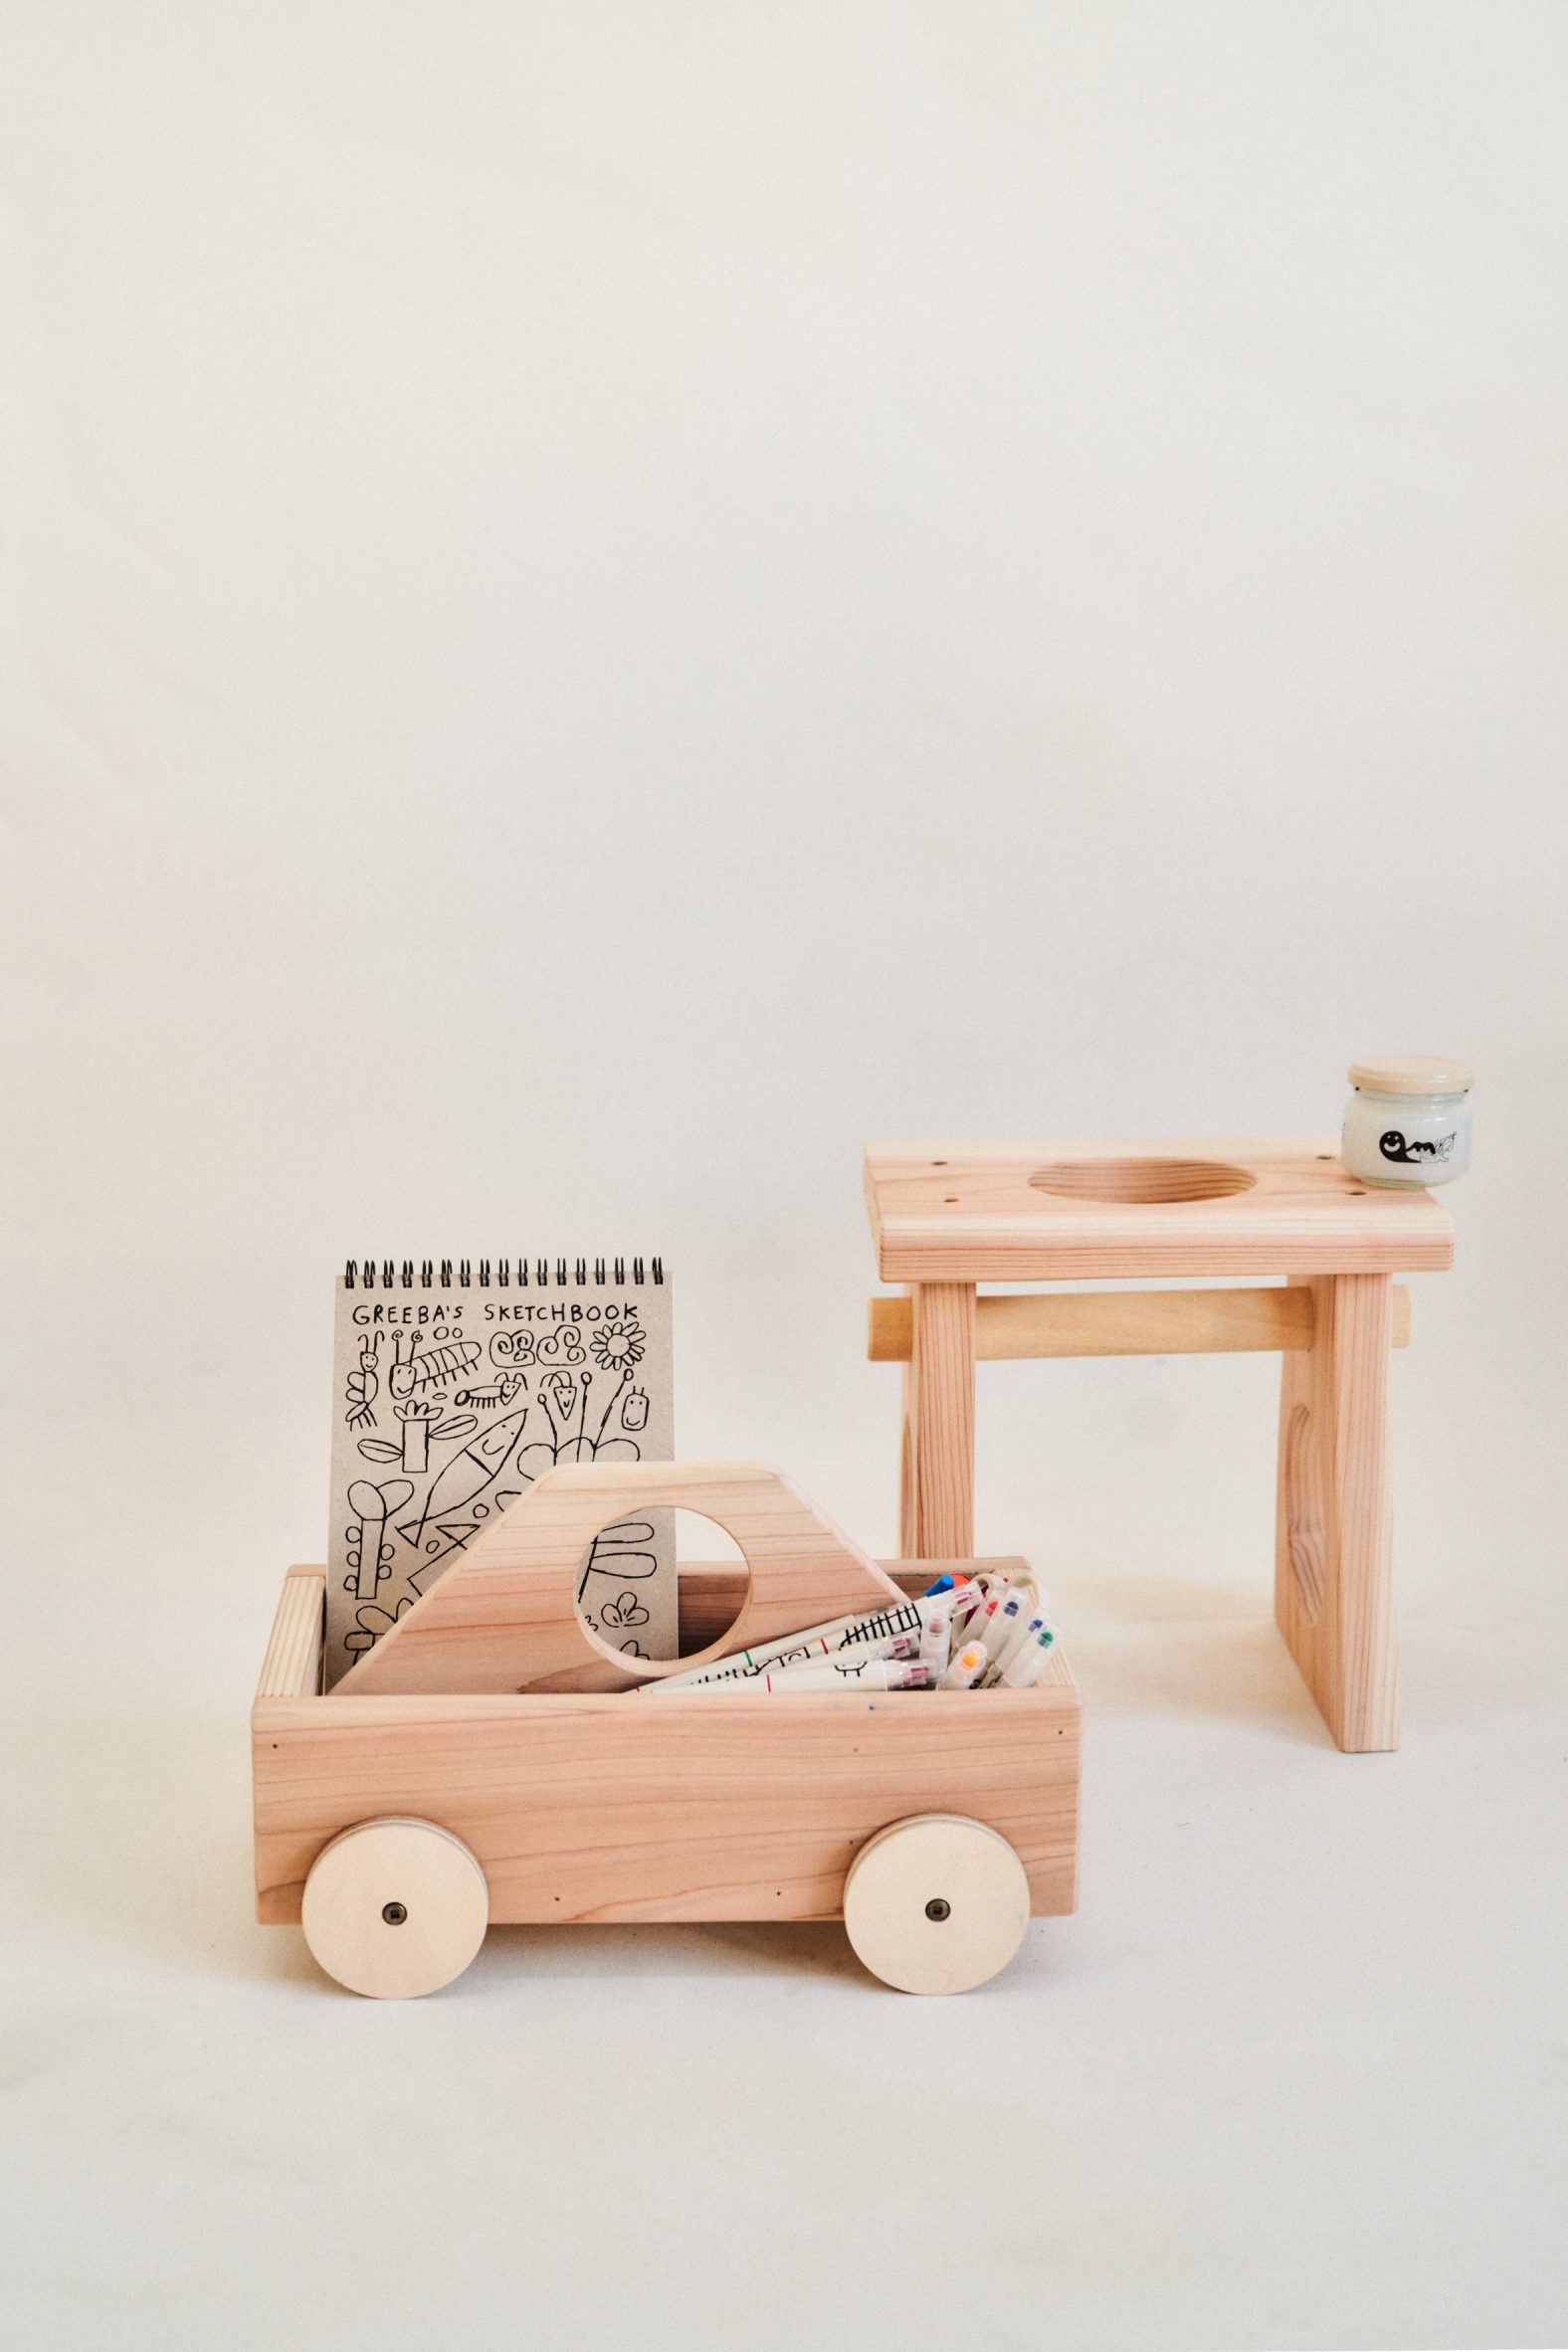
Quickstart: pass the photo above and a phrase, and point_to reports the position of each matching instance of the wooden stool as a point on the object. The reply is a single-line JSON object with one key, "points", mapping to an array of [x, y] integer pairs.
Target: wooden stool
{"points": [[948, 1216]]}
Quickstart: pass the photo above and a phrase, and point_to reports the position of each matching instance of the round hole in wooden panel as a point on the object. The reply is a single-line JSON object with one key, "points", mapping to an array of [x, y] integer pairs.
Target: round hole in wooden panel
{"points": [[618, 1574], [1143, 1183]]}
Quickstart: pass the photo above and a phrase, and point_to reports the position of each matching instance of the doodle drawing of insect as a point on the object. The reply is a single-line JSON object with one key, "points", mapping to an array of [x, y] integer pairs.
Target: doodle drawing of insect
{"points": [[411, 1371], [359, 1393]]}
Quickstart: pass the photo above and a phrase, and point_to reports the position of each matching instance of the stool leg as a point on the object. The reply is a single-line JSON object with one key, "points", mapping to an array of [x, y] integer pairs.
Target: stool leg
{"points": [[936, 1504], [908, 1485], [1333, 1594]]}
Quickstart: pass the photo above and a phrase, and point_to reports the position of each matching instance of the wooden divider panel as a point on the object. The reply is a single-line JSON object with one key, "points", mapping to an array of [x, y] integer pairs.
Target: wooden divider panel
{"points": [[504, 1617]]}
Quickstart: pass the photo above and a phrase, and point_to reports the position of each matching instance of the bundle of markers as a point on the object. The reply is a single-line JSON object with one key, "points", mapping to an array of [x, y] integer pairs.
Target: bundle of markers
{"points": [[964, 1632]]}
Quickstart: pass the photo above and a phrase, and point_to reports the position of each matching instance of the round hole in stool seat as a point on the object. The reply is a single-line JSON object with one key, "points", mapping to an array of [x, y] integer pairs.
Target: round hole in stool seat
{"points": [[936, 1903], [1143, 1183]]}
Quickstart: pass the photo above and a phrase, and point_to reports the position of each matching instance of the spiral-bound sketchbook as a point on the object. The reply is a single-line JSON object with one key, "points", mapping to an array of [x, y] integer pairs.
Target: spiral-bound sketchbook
{"points": [[454, 1387]]}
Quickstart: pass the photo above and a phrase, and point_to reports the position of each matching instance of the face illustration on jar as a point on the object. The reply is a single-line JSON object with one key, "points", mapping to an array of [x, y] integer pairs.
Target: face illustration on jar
{"points": [[1394, 1147]]}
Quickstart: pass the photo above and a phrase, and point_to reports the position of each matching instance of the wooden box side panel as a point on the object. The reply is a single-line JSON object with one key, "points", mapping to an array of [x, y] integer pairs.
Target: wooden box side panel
{"points": [[724, 1807]]}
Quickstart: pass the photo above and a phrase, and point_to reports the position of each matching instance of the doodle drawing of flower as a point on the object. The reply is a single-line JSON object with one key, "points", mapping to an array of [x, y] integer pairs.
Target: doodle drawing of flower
{"points": [[618, 1344], [625, 1609]]}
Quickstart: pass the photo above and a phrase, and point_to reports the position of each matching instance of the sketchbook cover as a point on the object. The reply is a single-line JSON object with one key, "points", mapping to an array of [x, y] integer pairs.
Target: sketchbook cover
{"points": [[454, 1390]]}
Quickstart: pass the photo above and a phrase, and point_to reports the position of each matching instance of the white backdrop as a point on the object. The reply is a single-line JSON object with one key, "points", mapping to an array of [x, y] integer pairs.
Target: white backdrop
{"points": [[601, 603]]}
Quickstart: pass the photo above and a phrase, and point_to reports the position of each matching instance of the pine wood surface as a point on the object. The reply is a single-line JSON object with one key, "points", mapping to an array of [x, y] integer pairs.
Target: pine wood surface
{"points": [[439, 1908], [702, 1806], [294, 1652], [979, 1886], [504, 1618], [1123, 1324], [710, 1595], [1333, 1577], [968, 1213], [938, 1469]]}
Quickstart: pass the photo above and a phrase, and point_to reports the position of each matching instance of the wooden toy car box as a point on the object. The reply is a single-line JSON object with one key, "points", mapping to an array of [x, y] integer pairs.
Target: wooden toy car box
{"points": [[489, 1761]]}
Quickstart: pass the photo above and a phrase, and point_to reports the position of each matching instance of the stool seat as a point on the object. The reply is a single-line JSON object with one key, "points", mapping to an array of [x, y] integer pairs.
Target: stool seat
{"points": [[1092, 1211]]}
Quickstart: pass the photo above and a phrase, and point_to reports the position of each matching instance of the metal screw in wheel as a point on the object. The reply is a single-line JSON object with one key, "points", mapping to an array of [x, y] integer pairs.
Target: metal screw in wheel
{"points": [[394, 1908], [936, 1903]]}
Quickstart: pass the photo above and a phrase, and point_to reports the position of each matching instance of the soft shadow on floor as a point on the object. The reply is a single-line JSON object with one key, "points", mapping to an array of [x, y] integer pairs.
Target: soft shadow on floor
{"points": [[1141, 1647], [138, 1833], [1162, 1600], [150, 1853], [722, 1948]]}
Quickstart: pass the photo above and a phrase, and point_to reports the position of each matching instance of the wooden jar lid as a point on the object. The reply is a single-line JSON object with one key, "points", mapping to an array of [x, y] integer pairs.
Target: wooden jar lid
{"points": [[1412, 1073]]}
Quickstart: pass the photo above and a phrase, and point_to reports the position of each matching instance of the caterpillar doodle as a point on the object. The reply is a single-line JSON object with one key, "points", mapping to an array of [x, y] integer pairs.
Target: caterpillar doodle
{"points": [[493, 1392], [413, 1371]]}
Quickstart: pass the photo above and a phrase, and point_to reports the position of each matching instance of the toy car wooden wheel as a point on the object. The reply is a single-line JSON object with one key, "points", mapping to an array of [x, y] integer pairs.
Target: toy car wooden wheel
{"points": [[936, 1903], [395, 1907]]}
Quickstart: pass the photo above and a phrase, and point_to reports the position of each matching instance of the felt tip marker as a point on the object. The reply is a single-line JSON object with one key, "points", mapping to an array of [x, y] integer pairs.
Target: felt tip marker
{"points": [[1000, 1630], [1013, 1650], [936, 1639], [1022, 1637], [876, 1632], [1030, 1664], [961, 1674], [876, 1673], [981, 1621], [968, 1601]]}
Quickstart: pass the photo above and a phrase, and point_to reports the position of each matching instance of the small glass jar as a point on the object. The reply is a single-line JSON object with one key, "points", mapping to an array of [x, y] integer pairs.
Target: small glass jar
{"points": [[1409, 1120]]}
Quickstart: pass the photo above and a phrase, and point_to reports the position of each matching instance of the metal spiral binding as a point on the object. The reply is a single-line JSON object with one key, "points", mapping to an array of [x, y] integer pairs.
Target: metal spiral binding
{"points": [[365, 1275]]}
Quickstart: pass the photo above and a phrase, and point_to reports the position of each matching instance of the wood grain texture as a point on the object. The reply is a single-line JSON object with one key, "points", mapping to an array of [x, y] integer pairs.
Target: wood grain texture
{"points": [[968, 1213], [708, 1806], [438, 1900], [939, 1426], [293, 1662], [908, 1493], [504, 1618], [1124, 1323], [1333, 1594], [712, 1592], [978, 1883]]}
